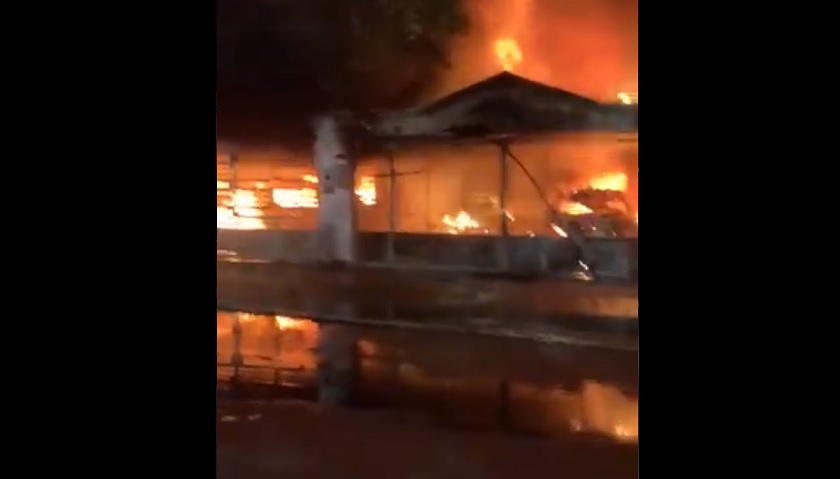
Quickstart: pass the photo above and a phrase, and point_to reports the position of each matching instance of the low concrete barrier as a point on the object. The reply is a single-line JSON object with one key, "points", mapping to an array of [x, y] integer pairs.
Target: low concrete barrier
{"points": [[614, 258]]}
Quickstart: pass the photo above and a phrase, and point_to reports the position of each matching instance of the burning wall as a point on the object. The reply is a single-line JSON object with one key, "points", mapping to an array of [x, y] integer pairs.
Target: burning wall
{"points": [[442, 189], [455, 189], [270, 190]]}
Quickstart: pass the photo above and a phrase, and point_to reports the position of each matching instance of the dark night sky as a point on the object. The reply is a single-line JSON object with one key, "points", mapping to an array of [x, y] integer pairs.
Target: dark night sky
{"points": [[261, 82], [267, 85]]}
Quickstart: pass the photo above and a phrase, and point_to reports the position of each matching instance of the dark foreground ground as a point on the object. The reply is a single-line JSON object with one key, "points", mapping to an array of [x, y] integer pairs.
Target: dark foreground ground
{"points": [[261, 440]]}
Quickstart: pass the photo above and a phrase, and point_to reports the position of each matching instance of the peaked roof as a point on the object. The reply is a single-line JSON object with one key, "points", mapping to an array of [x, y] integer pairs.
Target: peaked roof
{"points": [[509, 83], [504, 105]]}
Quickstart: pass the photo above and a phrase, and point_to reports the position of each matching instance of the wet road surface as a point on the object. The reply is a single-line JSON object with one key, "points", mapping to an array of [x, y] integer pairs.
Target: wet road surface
{"points": [[261, 440]]}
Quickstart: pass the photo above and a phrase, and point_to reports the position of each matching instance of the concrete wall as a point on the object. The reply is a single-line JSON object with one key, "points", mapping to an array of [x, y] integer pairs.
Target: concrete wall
{"points": [[531, 308], [616, 259]]}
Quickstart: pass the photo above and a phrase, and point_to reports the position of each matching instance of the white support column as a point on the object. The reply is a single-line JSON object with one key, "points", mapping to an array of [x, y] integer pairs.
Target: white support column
{"points": [[335, 243], [336, 230]]}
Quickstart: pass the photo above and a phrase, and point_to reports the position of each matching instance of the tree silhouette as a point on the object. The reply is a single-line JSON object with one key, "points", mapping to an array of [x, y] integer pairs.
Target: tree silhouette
{"points": [[290, 57]]}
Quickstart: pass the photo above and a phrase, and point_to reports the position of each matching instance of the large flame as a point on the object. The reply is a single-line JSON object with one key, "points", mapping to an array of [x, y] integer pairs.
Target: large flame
{"points": [[240, 209], [609, 182], [604, 182], [463, 222], [281, 322], [307, 197], [508, 53], [459, 223]]}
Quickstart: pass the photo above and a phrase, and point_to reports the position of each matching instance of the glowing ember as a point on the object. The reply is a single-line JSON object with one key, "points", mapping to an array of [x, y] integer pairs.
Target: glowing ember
{"points": [[284, 323], [608, 182], [628, 98], [508, 53], [559, 231], [574, 208], [366, 191], [624, 433], [459, 223]]}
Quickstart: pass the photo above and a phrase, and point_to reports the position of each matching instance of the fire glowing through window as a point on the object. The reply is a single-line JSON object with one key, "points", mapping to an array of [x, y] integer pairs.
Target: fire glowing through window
{"points": [[607, 183], [241, 209]]}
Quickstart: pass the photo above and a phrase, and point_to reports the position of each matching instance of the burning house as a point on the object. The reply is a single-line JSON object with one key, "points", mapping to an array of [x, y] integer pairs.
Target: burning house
{"points": [[505, 176], [379, 223], [504, 157], [541, 151]]}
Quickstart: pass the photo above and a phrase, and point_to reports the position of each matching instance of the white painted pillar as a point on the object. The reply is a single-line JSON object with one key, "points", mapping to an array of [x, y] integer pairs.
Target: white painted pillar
{"points": [[336, 230], [335, 243]]}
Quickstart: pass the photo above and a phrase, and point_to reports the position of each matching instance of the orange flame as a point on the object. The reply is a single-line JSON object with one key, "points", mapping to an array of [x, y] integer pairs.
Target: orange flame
{"points": [[307, 197], [628, 98], [459, 223], [604, 182], [508, 53], [609, 182], [240, 209]]}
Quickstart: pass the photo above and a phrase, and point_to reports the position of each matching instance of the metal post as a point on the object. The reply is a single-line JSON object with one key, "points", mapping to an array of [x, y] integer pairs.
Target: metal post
{"points": [[392, 211], [503, 186], [430, 224], [236, 358], [504, 403], [278, 351], [234, 183]]}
